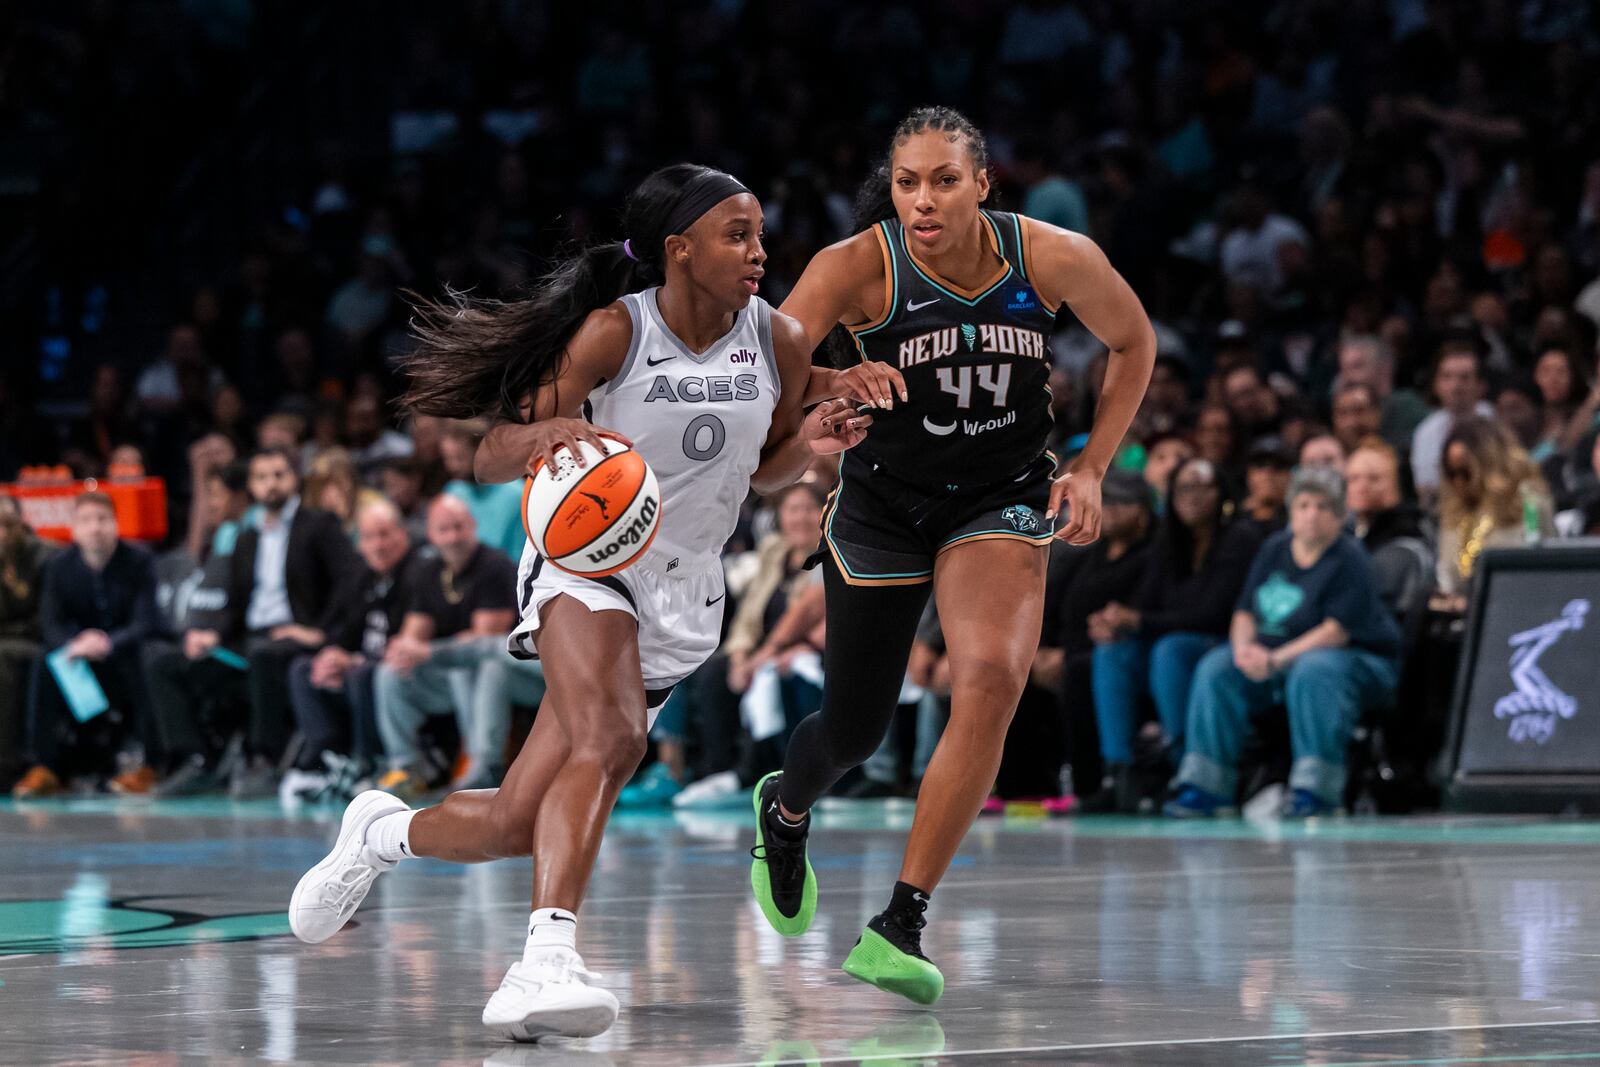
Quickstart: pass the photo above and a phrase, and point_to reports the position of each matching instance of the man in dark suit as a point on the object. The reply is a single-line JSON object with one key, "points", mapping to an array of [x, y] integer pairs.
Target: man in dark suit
{"points": [[288, 568], [98, 605]]}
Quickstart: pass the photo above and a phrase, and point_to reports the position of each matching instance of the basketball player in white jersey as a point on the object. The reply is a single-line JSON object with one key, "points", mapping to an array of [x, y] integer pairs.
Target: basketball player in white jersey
{"points": [[661, 341]]}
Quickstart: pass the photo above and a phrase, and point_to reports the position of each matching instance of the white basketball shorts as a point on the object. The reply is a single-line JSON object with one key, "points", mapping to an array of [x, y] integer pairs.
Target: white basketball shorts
{"points": [[679, 614]]}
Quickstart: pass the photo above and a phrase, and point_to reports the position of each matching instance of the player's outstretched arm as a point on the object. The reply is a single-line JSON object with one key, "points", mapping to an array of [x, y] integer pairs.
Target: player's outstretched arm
{"points": [[844, 284], [1070, 269], [553, 416], [797, 438]]}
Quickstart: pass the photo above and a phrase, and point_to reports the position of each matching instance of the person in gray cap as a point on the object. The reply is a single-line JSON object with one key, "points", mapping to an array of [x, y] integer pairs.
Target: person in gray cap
{"points": [[1309, 632]]}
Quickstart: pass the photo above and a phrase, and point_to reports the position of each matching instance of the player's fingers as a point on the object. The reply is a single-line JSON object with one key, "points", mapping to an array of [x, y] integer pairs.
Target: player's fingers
{"points": [[541, 459], [1088, 527], [1074, 527], [570, 440], [828, 413], [896, 380], [615, 436], [1057, 491], [883, 386]]}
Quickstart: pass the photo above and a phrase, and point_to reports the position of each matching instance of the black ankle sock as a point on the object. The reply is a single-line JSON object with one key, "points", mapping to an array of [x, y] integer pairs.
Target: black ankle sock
{"points": [[907, 900], [782, 826]]}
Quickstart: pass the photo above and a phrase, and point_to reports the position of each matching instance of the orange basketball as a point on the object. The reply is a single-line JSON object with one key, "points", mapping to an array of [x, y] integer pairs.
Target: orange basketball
{"points": [[593, 520]]}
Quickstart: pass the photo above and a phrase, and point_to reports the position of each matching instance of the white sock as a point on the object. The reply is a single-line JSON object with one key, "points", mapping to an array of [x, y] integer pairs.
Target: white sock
{"points": [[551, 928], [389, 837]]}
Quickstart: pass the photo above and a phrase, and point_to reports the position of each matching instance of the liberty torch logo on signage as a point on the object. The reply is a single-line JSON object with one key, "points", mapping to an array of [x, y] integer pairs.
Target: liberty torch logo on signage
{"points": [[1537, 705]]}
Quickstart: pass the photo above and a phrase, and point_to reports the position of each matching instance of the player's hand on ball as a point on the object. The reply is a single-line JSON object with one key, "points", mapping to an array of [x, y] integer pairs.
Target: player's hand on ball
{"points": [[872, 383], [548, 436], [1080, 491], [834, 426]]}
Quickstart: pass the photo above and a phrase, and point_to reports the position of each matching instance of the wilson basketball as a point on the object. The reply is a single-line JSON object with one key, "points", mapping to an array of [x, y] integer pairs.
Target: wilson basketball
{"points": [[593, 520]]}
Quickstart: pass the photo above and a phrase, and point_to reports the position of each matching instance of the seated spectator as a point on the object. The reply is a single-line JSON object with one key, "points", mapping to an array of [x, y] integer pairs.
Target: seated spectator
{"points": [[283, 430], [192, 587], [22, 560], [1356, 415], [1310, 632], [496, 507], [97, 605], [1216, 438], [1266, 482], [777, 577], [780, 682], [1517, 407], [764, 583], [108, 422], [404, 484], [1562, 385], [450, 656], [332, 689], [1388, 527], [1369, 361], [283, 584], [1491, 496], [1196, 568], [1323, 450], [1166, 400], [1458, 384], [370, 442], [1080, 582], [332, 485], [897, 767], [1163, 455], [1255, 406]]}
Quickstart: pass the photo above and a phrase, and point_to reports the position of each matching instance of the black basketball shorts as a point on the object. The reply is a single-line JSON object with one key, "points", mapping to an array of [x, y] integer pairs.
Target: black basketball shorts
{"points": [[883, 531]]}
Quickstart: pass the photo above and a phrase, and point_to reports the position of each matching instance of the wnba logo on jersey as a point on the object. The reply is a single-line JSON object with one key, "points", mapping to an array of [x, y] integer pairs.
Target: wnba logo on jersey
{"points": [[744, 355], [1000, 340]]}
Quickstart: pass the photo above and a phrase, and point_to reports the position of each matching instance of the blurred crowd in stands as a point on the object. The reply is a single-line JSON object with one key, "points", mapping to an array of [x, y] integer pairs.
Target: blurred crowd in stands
{"points": [[1367, 232]]}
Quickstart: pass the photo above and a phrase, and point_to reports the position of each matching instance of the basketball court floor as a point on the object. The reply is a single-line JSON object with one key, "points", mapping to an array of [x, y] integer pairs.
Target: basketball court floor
{"points": [[153, 933]]}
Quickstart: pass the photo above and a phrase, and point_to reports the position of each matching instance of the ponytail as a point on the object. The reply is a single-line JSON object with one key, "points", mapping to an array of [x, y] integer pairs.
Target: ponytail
{"points": [[477, 355]]}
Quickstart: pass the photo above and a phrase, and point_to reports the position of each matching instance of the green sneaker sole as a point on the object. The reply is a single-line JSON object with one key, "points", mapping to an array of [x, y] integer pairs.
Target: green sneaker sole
{"points": [[761, 882], [876, 962]]}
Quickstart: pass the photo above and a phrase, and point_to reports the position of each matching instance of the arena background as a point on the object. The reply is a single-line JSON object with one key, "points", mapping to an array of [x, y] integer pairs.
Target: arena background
{"points": [[213, 214]]}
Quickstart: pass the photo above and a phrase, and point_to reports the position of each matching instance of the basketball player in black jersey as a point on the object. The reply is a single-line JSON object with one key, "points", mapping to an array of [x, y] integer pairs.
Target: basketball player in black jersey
{"points": [[949, 307]]}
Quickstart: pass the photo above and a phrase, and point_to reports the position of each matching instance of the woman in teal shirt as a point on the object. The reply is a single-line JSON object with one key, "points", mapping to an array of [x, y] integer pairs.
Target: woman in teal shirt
{"points": [[1309, 632]]}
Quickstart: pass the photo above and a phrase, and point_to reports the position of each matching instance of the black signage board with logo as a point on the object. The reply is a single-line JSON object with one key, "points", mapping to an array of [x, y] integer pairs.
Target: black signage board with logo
{"points": [[1525, 721]]}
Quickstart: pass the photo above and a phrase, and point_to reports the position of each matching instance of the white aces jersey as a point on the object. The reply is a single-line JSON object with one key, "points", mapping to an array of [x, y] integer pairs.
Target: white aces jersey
{"points": [[698, 420]]}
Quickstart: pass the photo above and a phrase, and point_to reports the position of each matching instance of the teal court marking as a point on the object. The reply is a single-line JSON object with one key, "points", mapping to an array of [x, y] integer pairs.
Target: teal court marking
{"points": [[78, 921]]}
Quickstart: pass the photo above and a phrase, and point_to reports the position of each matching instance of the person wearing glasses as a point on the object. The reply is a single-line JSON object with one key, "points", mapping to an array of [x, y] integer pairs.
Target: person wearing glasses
{"points": [[1151, 647]]}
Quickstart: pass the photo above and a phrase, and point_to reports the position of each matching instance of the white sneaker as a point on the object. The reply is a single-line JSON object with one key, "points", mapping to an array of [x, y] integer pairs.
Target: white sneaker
{"points": [[299, 786], [712, 791], [331, 891], [550, 996]]}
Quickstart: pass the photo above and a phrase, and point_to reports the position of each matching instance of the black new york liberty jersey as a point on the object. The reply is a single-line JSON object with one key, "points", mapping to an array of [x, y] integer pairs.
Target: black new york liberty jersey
{"points": [[976, 364]]}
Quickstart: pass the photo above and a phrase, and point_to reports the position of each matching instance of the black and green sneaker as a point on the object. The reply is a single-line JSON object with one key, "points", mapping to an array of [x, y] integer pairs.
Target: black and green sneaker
{"points": [[889, 955], [784, 883]]}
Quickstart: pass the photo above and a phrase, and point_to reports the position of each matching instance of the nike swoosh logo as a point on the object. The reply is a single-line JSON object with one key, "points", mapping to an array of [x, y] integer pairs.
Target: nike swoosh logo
{"points": [[652, 362], [710, 602], [918, 307], [934, 428]]}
